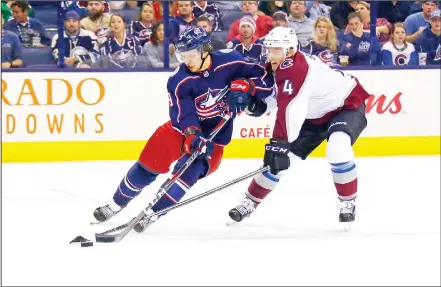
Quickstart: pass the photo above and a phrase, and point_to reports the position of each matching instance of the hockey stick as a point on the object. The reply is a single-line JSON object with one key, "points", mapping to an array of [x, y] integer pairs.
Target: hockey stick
{"points": [[105, 237], [169, 182]]}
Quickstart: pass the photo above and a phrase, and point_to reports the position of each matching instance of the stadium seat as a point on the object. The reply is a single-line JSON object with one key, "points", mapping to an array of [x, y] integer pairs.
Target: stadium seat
{"points": [[37, 56], [229, 16], [221, 35], [130, 14], [47, 15]]}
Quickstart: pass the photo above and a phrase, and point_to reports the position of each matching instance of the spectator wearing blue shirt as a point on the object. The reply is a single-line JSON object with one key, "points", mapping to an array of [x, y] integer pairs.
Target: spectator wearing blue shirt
{"points": [[397, 52], [30, 31], [416, 23], [11, 51], [209, 10], [183, 22], [357, 44], [430, 40]]}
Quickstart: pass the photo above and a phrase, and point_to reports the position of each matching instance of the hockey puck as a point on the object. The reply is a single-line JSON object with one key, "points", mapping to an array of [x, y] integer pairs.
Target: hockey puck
{"points": [[87, 244]]}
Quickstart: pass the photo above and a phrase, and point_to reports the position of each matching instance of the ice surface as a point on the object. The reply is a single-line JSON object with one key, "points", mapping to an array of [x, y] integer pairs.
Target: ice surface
{"points": [[292, 239]]}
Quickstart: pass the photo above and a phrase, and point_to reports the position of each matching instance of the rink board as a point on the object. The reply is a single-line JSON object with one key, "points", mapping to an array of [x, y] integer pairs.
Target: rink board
{"points": [[109, 116]]}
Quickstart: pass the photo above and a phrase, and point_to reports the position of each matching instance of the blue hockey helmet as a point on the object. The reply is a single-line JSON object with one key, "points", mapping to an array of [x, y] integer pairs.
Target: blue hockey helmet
{"points": [[195, 38]]}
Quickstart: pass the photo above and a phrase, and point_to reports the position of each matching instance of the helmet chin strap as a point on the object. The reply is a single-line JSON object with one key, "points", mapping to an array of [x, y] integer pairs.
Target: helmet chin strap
{"points": [[203, 59]]}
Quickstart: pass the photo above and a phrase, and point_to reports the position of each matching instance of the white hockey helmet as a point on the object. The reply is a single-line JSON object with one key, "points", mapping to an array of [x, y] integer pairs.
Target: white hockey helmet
{"points": [[282, 37]]}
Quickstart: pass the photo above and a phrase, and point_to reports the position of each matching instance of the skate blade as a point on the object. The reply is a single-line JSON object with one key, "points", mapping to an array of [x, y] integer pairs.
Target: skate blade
{"points": [[347, 226], [232, 223]]}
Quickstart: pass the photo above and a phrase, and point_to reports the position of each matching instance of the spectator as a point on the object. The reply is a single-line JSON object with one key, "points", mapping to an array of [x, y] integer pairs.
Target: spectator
{"points": [[340, 12], [301, 24], [211, 11], [182, 22], [382, 25], [81, 7], [121, 49], [397, 52], [205, 24], [80, 46], [31, 12], [280, 18], [6, 12], [264, 23], [247, 43], [324, 43], [30, 31], [228, 5], [11, 50], [119, 5], [97, 21], [271, 7], [159, 10], [142, 27], [430, 40], [155, 49], [394, 11], [317, 9], [416, 23], [357, 44]]}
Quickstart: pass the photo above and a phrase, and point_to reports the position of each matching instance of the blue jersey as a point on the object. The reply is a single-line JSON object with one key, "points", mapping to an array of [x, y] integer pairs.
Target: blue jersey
{"points": [[198, 99], [359, 49], [254, 53], [322, 52], [211, 11], [123, 55], [142, 32], [83, 46], [392, 56], [429, 43], [176, 26], [30, 33]]}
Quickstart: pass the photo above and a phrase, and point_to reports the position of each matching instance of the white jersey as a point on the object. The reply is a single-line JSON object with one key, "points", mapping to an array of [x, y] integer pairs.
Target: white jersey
{"points": [[309, 89]]}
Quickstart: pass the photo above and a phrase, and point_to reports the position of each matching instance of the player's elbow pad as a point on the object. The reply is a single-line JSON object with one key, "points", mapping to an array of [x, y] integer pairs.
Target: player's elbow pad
{"points": [[256, 108]]}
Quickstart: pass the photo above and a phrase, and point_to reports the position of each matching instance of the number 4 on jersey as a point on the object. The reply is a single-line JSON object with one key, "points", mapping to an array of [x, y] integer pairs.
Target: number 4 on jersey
{"points": [[287, 87]]}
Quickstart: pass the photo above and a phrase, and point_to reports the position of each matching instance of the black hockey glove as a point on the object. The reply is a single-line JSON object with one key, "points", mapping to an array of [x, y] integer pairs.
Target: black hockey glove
{"points": [[276, 155], [239, 95]]}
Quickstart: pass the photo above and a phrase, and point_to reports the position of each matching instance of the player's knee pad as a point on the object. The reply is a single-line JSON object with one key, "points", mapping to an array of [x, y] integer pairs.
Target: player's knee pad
{"points": [[339, 148], [132, 184], [194, 172], [262, 184], [173, 196]]}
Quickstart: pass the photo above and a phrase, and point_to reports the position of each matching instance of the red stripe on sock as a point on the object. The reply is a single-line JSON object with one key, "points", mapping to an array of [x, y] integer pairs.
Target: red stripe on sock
{"points": [[257, 191], [346, 189]]}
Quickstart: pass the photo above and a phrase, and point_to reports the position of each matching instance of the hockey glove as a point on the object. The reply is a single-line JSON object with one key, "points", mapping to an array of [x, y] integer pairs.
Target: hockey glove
{"points": [[194, 141], [276, 155], [239, 95]]}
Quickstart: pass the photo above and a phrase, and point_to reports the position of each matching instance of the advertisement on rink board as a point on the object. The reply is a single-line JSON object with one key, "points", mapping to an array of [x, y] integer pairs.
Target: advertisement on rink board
{"points": [[124, 107]]}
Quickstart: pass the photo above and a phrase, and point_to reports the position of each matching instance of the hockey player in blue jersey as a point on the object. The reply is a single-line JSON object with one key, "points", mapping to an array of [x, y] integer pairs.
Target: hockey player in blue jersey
{"points": [[201, 91]]}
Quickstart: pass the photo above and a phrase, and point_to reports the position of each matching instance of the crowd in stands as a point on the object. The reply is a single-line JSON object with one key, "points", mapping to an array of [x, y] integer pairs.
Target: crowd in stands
{"points": [[131, 34]]}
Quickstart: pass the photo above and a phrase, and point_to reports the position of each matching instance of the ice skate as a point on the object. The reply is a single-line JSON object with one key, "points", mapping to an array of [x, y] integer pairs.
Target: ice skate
{"points": [[106, 212], [347, 213], [244, 209], [145, 222]]}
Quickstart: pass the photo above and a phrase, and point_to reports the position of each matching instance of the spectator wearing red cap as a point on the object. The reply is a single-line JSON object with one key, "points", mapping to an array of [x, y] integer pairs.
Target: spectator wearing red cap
{"points": [[246, 42], [264, 23]]}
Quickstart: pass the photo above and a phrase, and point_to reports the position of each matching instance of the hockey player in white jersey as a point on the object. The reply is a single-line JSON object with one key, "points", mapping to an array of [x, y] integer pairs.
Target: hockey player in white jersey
{"points": [[314, 103]]}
